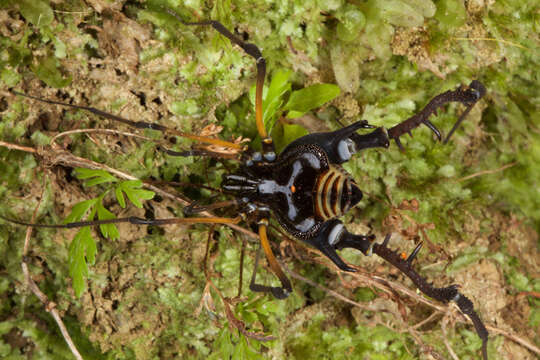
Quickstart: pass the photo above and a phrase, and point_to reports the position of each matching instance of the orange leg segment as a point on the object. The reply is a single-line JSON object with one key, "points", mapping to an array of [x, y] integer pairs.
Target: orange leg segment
{"points": [[253, 51], [139, 124], [286, 287]]}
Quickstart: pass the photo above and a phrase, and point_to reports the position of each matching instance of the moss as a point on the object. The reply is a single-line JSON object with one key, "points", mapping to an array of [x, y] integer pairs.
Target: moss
{"points": [[477, 196]]}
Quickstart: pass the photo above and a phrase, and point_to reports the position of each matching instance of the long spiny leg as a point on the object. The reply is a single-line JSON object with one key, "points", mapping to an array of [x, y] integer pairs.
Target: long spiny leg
{"points": [[445, 295], [465, 95], [253, 51], [339, 238], [133, 220], [286, 287], [142, 125]]}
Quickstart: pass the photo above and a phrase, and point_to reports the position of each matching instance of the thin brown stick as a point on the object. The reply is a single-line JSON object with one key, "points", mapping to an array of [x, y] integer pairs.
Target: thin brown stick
{"points": [[102, 131], [425, 321], [49, 305], [445, 339], [515, 338], [335, 294], [485, 172], [241, 275], [17, 147], [425, 348]]}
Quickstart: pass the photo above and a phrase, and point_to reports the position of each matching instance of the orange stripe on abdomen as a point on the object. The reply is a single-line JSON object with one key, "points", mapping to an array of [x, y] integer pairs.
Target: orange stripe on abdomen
{"points": [[328, 194]]}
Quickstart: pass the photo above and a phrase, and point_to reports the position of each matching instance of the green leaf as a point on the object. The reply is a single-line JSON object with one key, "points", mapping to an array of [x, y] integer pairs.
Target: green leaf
{"points": [[273, 96], [224, 346], [243, 350], [79, 209], [132, 189], [37, 12], [311, 97], [292, 132], [141, 194], [471, 256], [133, 197], [279, 86], [451, 14], [81, 249], [94, 177], [294, 114], [399, 13], [120, 196], [351, 22], [109, 231]]}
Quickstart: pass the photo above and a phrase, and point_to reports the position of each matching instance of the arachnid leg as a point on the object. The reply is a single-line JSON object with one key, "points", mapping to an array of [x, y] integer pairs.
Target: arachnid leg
{"points": [[365, 244], [466, 95], [334, 236], [445, 295], [286, 287], [277, 292], [141, 124], [196, 207], [341, 144], [201, 152], [132, 220], [253, 51]]}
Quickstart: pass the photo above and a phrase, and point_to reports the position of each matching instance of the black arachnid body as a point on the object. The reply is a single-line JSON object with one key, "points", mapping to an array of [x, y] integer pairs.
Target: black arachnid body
{"points": [[305, 187]]}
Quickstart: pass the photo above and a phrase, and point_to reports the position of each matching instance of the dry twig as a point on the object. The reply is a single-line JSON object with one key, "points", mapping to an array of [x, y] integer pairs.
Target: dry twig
{"points": [[445, 339], [49, 305], [102, 131], [485, 172]]}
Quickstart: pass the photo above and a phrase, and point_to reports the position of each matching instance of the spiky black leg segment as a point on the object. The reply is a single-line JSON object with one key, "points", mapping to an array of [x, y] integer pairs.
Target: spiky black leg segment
{"points": [[445, 295], [466, 95]]}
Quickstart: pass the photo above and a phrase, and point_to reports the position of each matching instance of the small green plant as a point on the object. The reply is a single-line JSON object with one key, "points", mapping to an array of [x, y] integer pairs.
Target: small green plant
{"points": [[279, 99], [82, 249]]}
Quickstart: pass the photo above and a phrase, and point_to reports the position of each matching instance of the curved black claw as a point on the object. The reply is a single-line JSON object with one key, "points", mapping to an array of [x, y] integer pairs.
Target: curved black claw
{"points": [[331, 253], [445, 295], [434, 129], [414, 253]]}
